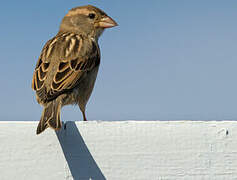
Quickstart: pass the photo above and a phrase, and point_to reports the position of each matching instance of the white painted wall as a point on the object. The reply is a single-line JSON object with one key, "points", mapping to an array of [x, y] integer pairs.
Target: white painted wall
{"points": [[130, 150]]}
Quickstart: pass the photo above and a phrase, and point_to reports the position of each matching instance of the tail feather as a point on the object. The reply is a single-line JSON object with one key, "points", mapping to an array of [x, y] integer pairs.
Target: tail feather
{"points": [[50, 117]]}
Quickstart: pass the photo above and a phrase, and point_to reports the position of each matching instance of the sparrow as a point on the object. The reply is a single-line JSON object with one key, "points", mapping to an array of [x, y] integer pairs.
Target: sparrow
{"points": [[67, 67]]}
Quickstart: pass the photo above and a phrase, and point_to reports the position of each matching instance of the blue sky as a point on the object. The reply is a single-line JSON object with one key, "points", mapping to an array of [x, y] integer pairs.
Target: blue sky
{"points": [[167, 60]]}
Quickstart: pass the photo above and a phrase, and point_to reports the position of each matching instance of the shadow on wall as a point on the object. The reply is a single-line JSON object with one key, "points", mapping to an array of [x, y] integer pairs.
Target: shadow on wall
{"points": [[79, 159]]}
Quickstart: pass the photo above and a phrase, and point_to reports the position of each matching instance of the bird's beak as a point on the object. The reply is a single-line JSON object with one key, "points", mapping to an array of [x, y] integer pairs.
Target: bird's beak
{"points": [[107, 22]]}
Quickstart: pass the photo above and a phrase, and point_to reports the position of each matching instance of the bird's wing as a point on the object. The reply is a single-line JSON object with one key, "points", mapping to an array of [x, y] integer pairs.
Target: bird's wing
{"points": [[64, 61]]}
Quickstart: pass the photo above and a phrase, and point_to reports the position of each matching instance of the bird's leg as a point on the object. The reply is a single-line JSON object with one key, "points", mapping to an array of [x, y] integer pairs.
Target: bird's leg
{"points": [[84, 116], [65, 125]]}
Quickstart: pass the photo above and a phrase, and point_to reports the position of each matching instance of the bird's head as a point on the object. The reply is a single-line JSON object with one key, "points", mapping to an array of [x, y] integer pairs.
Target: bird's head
{"points": [[88, 20]]}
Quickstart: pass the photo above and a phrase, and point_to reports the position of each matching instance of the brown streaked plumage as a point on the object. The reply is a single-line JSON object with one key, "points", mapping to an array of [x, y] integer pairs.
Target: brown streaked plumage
{"points": [[68, 64]]}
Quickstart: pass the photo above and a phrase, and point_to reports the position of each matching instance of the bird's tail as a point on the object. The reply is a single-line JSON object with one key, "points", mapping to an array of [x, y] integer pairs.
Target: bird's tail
{"points": [[50, 117]]}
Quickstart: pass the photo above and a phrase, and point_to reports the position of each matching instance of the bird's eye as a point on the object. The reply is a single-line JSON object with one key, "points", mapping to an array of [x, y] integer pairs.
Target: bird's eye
{"points": [[91, 15]]}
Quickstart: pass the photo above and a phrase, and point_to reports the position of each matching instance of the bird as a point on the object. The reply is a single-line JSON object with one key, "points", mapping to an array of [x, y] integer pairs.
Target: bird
{"points": [[66, 70]]}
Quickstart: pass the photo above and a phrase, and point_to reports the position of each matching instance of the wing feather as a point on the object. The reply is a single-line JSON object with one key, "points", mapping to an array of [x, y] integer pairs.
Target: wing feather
{"points": [[81, 57]]}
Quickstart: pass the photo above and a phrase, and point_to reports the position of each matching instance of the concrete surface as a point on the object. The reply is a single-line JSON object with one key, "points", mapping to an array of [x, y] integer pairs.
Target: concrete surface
{"points": [[125, 150]]}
